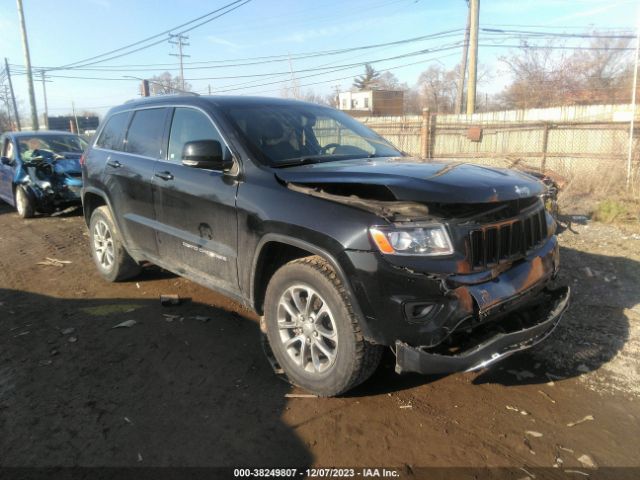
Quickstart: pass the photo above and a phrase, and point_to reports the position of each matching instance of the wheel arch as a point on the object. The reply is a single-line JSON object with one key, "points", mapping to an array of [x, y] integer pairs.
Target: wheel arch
{"points": [[92, 199], [291, 248]]}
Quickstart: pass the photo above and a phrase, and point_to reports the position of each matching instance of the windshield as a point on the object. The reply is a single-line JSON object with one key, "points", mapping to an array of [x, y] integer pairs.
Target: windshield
{"points": [[49, 146], [283, 135]]}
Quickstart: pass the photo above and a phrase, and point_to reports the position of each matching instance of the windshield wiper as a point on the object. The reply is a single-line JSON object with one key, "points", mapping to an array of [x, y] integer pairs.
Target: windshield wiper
{"points": [[309, 159]]}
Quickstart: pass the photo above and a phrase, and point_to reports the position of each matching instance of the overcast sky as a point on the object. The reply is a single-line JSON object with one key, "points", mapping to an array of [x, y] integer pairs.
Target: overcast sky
{"points": [[65, 31]]}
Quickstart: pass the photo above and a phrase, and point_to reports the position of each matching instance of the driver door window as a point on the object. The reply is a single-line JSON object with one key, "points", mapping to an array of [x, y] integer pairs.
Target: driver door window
{"points": [[190, 125]]}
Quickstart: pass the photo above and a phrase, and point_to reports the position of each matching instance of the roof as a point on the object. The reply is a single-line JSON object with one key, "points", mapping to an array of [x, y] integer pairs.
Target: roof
{"points": [[216, 100], [41, 133]]}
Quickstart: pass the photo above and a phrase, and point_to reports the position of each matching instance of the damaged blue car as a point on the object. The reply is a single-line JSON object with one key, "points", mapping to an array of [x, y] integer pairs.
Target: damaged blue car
{"points": [[40, 171]]}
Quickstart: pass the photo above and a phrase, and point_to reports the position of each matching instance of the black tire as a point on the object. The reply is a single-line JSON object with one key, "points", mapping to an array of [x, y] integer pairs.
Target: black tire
{"points": [[355, 359], [122, 266], [23, 203]]}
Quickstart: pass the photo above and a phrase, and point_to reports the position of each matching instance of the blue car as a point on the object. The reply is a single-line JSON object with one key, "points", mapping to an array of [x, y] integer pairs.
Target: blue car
{"points": [[40, 171]]}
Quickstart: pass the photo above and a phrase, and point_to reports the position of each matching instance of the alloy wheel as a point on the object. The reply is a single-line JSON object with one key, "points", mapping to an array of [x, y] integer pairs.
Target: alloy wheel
{"points": [[307, 329], [103, 244]]}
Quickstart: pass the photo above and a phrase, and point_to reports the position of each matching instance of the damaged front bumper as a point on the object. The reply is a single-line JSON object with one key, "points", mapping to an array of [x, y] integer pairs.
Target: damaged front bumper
{"points": [[491, 348]]}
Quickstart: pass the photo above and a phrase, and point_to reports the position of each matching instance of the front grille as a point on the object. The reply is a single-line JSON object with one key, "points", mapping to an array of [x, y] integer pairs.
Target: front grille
{"points": [[492, 244]]}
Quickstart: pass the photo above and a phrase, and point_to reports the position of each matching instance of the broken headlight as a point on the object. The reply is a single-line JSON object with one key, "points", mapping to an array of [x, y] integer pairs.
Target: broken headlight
{"points": [[427, 240]]}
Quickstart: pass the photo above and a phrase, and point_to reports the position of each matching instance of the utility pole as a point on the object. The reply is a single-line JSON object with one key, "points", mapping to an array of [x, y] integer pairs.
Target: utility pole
{"points": [[44, 94], [73, 109], [474, 15], [13, 96], [180, 42], [294, 85], [209, 89], [144, 88], [463, 62], [633, 104], [27, 61]]}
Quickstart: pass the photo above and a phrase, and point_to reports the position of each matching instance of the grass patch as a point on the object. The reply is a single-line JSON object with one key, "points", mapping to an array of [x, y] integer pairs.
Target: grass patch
{"points": [[617, 211]]}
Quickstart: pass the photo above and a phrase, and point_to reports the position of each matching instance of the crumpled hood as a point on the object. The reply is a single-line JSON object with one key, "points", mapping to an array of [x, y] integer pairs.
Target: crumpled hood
{"points": [[410, 179]]}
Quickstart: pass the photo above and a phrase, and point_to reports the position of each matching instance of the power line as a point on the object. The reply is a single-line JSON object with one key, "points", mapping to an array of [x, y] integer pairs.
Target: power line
{"points": [[264, 59], [554, 34], [235, 4], [305, 70]]}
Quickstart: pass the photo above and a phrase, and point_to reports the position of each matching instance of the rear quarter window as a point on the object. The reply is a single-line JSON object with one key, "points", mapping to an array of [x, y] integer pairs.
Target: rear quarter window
{"points": [[113, 133]]}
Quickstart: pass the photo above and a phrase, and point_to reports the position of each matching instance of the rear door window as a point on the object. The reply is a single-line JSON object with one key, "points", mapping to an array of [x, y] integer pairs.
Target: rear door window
{"points": [[145, 132], [113, 133]]}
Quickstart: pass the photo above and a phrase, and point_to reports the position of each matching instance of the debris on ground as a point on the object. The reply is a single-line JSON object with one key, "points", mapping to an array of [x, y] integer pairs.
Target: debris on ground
{"points": [[45, 363], [587, 461], [200, 318], [171, 318], [533, 433], [547, 396], [577, 471], [73, 339], [587, 418], [299, 395], [515, 409], [406, 406], [26, 332], [579, 219], [588, 272], [139, 457], [54, 262], [125, 324], [169, 299], [528, 444], [67, 331], [128, 420]]}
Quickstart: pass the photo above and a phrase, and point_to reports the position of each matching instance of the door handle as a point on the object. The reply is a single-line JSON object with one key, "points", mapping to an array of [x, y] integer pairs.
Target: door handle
{"points": [[114, 163], [164, 175]]}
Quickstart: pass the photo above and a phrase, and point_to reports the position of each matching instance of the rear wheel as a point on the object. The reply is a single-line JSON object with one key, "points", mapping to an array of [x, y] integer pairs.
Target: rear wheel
{"points": [[312, 330], [109, 254], [24, 205]]}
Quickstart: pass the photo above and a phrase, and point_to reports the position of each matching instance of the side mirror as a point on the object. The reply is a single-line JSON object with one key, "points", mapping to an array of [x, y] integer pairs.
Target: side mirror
{"points": [[205, 154], [6, 161]]}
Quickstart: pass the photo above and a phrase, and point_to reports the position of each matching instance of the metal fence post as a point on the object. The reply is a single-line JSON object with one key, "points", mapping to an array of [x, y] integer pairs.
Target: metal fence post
{"points": [[425, 134], [545, 142]]}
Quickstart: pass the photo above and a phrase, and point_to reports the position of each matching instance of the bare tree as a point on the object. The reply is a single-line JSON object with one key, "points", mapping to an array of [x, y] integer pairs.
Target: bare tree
{"points": [[166, 84], [5, 123], [437, 88], [545, 76]]}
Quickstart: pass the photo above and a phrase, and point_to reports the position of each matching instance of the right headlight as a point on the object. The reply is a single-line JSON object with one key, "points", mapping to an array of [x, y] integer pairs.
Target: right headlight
{"points": [[424, 240]]}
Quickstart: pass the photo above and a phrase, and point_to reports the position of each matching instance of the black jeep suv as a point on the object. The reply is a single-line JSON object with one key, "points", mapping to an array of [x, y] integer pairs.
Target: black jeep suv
{"points": [[341, 242]]}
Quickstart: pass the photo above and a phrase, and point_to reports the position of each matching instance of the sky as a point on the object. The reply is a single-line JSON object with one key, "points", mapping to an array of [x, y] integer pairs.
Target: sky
{"points": [[66, 31]]}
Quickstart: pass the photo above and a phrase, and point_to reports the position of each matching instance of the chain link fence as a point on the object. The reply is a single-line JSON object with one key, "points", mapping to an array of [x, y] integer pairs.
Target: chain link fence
{"points": [[571, 141]]}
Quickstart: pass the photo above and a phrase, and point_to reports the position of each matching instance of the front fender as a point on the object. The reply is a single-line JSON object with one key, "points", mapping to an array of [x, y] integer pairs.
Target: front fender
{"points": [[321, 251]]}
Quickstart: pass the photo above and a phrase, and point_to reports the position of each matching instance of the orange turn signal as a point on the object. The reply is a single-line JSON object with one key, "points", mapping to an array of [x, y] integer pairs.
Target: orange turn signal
{"points": [[381, 241]]}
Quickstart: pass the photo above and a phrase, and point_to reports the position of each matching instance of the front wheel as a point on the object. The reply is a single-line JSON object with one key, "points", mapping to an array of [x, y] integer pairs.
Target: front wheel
{"points": [[312, 329], [109, 254], [24, 205]]}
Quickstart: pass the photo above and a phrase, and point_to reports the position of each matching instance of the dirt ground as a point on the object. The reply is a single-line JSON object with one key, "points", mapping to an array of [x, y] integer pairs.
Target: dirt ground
{"points": [[189, 385]]}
